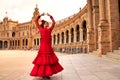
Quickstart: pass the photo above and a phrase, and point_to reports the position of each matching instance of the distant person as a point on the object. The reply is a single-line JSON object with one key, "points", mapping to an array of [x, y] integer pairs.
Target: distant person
{"points": [[60, 50], [63, 50], [46, 62]]}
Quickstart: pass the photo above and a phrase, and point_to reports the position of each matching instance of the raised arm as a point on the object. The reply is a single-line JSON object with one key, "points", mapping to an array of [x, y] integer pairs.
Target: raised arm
{"points": [[37, 19], [53, 22]]}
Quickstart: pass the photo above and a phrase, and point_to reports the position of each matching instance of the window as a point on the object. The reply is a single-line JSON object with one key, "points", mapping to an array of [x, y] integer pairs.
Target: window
{"points": [[13, 34]]}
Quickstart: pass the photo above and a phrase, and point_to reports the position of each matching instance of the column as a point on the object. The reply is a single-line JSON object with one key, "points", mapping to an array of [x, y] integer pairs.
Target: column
{"points": [[60, 39], [103, 29], [57, 39], [3, 45], [35, 39], [75, 35], [64, 38], [102, 11], [69, 37], [81, 34], [21, 43], [90, 28], [29, 43], [89, 7], [14, 44], [8, 44], [95, 21]]}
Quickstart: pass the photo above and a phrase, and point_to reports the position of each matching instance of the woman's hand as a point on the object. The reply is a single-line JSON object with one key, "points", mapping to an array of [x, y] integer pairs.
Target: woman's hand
{"points": [[39, 15], [42, 14], [48, 14]]}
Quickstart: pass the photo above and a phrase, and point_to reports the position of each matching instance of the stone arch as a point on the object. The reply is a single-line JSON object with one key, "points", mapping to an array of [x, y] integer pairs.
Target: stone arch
{"points": [[77, 33], [1, 44], [67, 36], [72, 34], [5, 44], [58, 38], [84, 30], [62, 37]]}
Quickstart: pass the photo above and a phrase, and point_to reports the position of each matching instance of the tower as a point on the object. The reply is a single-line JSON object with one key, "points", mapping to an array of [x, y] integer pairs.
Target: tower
{"points": [[36, 12]]}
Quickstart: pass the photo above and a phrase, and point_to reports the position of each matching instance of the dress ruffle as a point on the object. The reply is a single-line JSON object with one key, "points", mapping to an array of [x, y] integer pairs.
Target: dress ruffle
{"points": [[45, 59], [46, 64], [46, 70]]}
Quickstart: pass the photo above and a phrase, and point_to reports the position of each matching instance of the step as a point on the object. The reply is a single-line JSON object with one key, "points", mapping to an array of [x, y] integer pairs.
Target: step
{"points": [[95, 53], [111, 58], [113, 55], [116, 51]]}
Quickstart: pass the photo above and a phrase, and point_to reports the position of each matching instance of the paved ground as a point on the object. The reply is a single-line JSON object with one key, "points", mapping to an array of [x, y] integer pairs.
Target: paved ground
{"points": [[16, 65]]}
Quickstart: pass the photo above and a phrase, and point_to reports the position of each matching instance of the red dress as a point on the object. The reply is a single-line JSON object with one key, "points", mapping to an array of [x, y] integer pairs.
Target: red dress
{"points": [[46, 62]]}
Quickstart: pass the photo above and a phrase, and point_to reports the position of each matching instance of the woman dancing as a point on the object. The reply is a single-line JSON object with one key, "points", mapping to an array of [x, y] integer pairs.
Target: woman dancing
{"points": [[46, 62]]}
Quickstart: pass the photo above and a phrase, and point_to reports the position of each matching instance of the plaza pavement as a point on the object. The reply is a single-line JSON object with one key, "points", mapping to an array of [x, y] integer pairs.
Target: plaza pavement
{"points": [[17, 64]]}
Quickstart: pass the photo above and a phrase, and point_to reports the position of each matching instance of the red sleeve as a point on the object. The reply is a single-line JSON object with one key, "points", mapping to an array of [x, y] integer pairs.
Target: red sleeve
{"points": [[36, 22], [53, 23]]}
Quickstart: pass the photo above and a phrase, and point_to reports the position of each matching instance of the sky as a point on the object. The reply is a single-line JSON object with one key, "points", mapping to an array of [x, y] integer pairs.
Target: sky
{"points": [[22, 10]]}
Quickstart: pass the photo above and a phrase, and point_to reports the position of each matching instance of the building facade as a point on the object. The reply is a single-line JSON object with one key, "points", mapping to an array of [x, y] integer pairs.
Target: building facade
{"points": [[94, 28], [14, 35]]}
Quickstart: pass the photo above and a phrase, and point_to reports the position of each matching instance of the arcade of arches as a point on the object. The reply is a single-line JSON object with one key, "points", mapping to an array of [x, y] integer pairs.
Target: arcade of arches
{"points": [[72, 39], [96, 27]]}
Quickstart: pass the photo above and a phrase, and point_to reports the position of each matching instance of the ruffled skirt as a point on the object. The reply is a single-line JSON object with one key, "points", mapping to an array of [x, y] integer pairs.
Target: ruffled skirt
{"points": [[46, 64]]}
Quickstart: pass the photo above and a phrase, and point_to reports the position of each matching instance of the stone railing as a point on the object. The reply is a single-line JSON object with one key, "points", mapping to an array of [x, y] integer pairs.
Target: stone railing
{"points": [[73, 48]]}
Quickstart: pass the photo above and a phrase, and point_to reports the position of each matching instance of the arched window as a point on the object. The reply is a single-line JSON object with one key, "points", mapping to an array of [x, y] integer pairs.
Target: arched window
{"points": [[72, 35], [62, 37], [77, 33], [84, 30], [15, 42], [13, 34], [34, 41], [67, 36]]}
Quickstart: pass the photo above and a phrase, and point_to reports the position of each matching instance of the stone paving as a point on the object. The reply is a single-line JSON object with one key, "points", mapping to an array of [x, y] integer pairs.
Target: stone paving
{"points": [[16, 65]]}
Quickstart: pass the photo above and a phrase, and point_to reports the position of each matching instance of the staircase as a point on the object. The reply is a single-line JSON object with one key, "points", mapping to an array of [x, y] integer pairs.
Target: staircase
{"points": [[95, 53], [115, 55]]}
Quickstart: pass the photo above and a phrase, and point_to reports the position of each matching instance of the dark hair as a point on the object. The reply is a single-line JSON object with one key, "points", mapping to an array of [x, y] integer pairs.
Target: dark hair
{"points": [[43, 22]]}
